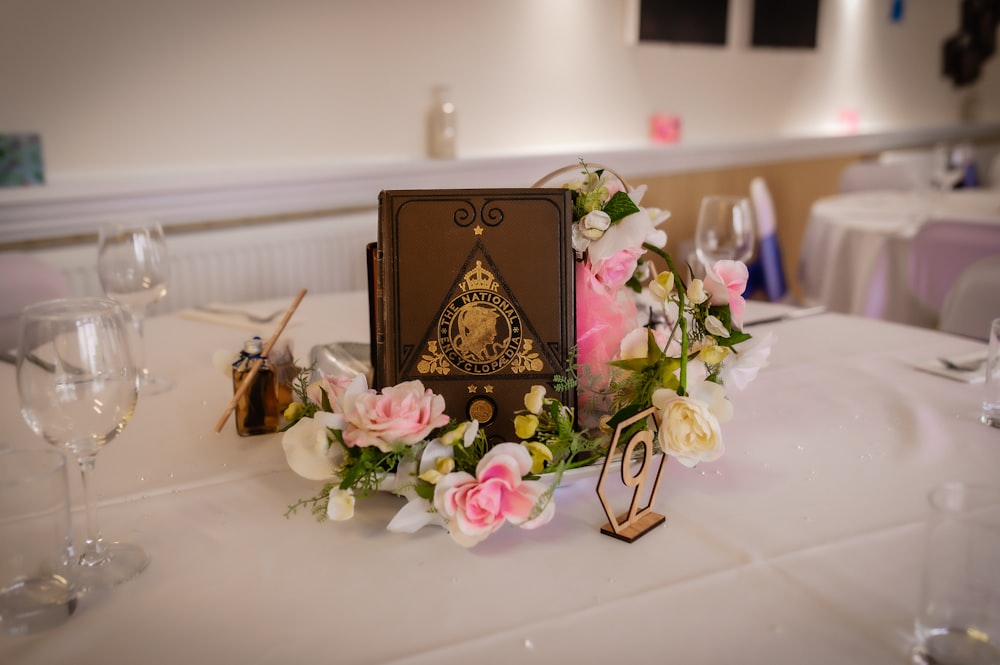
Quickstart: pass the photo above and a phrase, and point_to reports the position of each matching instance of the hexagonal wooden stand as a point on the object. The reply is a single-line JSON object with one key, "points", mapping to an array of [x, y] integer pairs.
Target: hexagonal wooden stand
{"points": [[637, 522]]}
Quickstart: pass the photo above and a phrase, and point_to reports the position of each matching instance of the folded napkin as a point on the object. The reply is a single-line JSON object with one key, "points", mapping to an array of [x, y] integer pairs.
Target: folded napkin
{"points": [[974, 375]]}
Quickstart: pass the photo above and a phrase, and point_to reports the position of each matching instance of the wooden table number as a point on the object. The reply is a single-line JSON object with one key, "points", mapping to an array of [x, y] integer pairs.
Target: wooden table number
{"points": [[636, 522]]}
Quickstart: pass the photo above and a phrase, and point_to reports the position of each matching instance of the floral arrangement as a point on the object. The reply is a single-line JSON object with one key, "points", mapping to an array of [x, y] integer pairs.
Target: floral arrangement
{"points": [[645, 338]]}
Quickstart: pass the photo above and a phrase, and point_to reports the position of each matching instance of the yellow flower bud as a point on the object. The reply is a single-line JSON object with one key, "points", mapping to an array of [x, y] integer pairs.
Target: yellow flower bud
{"points": [[525, 426], [442, 467], [445, 465], [431, 476], [663, 286], [540, 454], [294, 411], [534, 400], [452, 437], [713, 354]]}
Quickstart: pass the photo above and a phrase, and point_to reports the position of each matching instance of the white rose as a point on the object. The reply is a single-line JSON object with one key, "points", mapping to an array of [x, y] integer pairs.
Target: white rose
{"points": [[595, 223], [689, 430]]}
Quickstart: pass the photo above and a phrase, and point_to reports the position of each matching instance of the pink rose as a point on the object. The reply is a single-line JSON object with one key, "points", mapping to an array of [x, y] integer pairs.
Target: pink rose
{"points": [[334, 387], [475, 507], [401, 415], [615, 270], [725, 283]]}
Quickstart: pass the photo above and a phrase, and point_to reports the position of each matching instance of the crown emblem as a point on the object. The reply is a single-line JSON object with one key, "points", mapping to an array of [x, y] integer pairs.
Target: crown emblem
{"points": [[479, 279]]}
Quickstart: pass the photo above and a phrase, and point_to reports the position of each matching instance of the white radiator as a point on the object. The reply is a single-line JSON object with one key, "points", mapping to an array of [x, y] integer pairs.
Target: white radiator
{"points": [[252, 262]]}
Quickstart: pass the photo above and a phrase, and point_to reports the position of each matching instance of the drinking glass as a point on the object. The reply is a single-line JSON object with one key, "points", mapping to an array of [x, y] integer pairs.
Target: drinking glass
{"points": [[725, 230], [958, 616], [78, 387], [991, 388], [133, 267]]}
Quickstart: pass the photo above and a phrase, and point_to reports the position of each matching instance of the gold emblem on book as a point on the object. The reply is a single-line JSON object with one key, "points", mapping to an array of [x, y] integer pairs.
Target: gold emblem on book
{"points": [[433, 362], [479, 331]]}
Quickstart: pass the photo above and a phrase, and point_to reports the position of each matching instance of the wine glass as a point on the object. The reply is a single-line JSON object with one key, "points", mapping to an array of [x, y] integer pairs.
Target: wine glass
{"points": [[133, 267], [78, 387], [725, 230]]}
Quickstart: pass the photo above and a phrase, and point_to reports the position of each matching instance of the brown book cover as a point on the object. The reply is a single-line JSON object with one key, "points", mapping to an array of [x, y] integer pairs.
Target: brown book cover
{"points": [[474, 296]]}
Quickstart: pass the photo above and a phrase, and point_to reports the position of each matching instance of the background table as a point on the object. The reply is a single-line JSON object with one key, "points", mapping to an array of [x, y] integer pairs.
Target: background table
{"points": [[802, 544], [854, 255]]}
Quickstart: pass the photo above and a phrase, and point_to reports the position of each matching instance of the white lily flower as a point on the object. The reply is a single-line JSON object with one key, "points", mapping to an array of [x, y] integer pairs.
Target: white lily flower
{"points": [[743, 366], [418, 512], [713, 396], [307, 446]]}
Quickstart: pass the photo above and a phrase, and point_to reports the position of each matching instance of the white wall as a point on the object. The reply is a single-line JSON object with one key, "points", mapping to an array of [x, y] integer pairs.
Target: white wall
{"points": [[155, 86]]}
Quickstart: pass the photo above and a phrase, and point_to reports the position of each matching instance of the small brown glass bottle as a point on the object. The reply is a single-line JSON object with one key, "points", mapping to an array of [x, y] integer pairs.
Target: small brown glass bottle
{"points": [[259, 410]]}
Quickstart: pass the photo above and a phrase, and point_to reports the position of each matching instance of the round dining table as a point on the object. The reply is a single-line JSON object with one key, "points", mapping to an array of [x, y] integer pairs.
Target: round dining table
{"points": [[802, 544], [855, 253]]}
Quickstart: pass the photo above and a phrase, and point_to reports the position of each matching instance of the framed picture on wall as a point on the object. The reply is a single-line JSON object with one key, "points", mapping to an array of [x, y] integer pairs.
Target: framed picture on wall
{"points": [[678, 22], [785, 23]]}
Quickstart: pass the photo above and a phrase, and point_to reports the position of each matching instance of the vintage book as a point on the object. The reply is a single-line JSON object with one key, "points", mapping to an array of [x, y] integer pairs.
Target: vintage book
{"points": [[474, 296]]}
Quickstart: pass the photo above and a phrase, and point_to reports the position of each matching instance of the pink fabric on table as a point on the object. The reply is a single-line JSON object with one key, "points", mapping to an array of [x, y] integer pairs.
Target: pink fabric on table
{"points": [[942, 250], [973, 300]]}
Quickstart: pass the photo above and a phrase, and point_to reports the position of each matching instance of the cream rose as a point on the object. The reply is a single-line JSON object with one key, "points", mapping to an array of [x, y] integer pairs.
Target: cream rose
{"points": [[689, 430]]}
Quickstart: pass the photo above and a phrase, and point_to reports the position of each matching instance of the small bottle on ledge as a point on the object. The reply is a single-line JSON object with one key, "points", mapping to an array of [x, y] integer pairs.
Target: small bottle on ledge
{"points": [[260, 410], [441, 125]]}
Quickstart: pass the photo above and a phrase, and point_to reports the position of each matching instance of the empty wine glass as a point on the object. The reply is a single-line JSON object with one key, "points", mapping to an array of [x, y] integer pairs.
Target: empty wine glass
{"points": [[78, 387], [133, 267], [725, 230]]}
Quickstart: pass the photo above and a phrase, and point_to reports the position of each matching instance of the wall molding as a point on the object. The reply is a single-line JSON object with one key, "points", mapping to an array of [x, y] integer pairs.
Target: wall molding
{"points": [[71, 208]]}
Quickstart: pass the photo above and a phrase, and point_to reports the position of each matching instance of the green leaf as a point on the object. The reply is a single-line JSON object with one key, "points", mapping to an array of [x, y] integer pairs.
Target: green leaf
{"points": [[620, 206], [624, 414], [424, 490]]}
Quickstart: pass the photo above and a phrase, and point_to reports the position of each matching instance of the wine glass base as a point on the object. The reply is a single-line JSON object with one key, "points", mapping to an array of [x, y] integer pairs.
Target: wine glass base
{"points": [[122, 562], [154, 385]]}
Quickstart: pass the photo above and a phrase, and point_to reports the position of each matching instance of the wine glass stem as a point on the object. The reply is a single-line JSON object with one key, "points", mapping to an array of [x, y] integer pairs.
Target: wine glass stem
{"points": [[94, 553], [139, 348]]}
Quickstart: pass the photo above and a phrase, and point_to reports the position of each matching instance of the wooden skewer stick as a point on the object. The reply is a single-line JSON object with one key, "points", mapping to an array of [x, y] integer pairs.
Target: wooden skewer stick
{"points": [[255, 367]]}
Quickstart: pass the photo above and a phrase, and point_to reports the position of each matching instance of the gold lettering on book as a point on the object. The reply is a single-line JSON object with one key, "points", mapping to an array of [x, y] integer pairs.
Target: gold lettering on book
{"points": [[479, 330]]}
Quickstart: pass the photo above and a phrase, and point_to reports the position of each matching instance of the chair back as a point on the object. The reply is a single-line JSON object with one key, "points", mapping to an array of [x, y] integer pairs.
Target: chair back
{"points": [[873, 175], [973, 300], [942, 250], [994, 171], [920, 161], [767, 273], [24, 280]]}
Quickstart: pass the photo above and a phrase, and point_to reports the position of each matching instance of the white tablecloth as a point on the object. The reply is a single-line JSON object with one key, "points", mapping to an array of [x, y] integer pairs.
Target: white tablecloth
{"points": [[854, 256], [801, 545]]}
